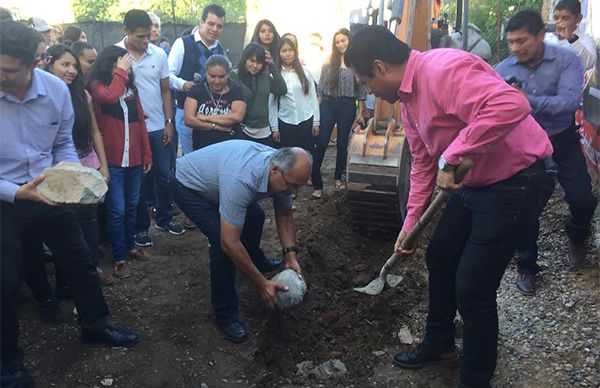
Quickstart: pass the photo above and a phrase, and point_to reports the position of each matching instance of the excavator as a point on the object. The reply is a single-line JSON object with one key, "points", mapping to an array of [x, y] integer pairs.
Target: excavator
{"points": [[378, 165]]}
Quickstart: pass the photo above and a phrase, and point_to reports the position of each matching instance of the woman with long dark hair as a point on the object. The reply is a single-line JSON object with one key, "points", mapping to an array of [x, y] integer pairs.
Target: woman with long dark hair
{"points": [[298, 110], [267, 36], [86, 55], [121, 120], [338, 91], [258, 79], [214, 107]]}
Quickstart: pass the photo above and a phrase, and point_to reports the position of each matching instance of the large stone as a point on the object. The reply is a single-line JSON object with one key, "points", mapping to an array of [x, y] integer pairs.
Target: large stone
{"points": [[296, 288], [328, 369], [71, 183]]}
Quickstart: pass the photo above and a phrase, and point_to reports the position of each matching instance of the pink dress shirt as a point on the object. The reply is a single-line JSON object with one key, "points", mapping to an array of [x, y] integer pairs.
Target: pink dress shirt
{"points": [[453, 103]]}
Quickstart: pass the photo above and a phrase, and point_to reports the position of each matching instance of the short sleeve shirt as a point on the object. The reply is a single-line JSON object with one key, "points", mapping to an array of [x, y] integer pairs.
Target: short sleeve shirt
{"points": [[231, 175], [214, 104]]}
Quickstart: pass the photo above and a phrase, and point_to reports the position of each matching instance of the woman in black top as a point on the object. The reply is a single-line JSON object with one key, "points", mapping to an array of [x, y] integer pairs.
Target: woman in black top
{"points": [[214, 107]]}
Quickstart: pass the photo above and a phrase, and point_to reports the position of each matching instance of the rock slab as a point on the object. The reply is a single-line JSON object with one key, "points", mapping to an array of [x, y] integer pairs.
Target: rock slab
{"points": [[326, 370], [296, 288], [72, 183]]}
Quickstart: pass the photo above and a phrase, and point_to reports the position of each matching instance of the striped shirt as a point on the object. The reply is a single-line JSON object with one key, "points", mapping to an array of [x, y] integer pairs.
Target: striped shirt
{"points": [[348, 87]]}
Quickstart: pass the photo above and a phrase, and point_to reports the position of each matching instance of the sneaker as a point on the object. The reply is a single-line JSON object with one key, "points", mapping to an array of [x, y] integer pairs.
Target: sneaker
{"points": [[138, 254], [105, 278], [172, 226], [142, 239], [122, 270]]}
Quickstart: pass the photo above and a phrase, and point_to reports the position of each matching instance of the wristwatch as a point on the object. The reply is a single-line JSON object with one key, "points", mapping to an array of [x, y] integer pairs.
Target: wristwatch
{"points": [[445, 166], [287, 250], [169, 121], [573, 39]]}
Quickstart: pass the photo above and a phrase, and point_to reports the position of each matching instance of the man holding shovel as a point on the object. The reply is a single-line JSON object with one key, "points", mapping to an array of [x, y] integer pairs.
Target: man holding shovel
{"points": [[456, 108]]}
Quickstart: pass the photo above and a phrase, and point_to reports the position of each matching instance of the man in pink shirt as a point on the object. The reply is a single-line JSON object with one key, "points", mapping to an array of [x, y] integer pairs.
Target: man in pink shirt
{"points": [[455, 107]]}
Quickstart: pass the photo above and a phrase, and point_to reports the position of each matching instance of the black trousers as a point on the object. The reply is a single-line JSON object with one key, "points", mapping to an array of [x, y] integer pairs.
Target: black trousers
{"points": [[297, 135], [473, 243], [58, 226], [575, 180]]}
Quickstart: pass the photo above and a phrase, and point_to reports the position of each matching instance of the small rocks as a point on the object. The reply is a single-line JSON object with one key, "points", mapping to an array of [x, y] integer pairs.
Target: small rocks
{"points": [[405, 336], [328, 369], [107, 382], [378, 353]]}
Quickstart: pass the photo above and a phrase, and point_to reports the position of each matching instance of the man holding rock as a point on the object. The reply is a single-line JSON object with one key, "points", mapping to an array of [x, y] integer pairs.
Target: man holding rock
{"points": [[37, 120], [455, 107], [218, 187]]}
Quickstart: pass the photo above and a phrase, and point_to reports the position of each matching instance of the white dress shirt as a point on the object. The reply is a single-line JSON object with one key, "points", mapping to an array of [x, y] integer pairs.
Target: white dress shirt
{"points": [[295, 106], [176, 60]]}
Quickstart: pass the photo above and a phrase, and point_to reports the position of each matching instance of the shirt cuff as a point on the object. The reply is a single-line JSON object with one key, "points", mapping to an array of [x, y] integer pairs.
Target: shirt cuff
{"points": [[8, 190], [409, 223]]}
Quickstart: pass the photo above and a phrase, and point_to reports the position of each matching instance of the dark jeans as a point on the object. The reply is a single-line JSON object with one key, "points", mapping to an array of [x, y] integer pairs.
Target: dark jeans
{"points": [[156, 182], [574, 178], [222, 270], [297, 135], [121, 208], [473, 243], [340, 111], [59, 228]]}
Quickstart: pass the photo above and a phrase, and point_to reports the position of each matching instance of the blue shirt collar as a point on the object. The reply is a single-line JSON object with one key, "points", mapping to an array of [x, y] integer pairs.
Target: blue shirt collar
{"points": [[37, 88]]}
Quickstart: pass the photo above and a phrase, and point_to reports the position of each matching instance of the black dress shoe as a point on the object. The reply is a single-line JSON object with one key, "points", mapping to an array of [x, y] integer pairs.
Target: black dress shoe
{"points": [[526, 283], [270, 265], [427, 354], [233, 331], [110, 335]]}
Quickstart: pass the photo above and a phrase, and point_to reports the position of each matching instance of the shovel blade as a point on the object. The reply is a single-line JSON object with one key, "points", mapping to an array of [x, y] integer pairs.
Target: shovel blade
{"points": [[393, 280], [373, 288]]}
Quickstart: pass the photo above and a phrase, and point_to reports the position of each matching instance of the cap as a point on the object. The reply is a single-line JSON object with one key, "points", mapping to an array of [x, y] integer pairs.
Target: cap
{"points": [[40, 25]]}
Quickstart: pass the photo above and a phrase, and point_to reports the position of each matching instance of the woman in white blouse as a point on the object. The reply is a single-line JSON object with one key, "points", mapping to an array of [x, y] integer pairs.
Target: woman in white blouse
{"points": [[295, 115]]}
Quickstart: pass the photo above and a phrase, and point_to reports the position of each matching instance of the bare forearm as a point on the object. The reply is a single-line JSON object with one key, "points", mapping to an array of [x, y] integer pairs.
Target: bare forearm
{"points": [[240, 257]]}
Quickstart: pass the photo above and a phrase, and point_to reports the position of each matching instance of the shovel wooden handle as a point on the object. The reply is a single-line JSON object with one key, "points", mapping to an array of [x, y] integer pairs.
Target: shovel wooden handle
{"points": [[435, 206]]}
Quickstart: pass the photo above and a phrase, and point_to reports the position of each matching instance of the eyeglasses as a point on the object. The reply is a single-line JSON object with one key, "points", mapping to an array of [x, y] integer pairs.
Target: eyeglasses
{"points": [[291, 186]]}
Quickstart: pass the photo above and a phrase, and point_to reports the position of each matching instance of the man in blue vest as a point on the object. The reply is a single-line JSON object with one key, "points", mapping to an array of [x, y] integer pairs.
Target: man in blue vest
{"points": [[186, 63]]}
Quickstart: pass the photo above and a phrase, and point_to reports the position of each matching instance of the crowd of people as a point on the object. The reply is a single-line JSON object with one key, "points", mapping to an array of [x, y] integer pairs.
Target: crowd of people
{"points": [[179, 128]]}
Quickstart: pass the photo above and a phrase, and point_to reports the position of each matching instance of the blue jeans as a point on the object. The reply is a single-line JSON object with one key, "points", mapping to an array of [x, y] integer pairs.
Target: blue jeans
{"points": [[574, 178], [340, 111], [157, 182], [222, 270], [121, 207], [473, 243], [184, 133]]}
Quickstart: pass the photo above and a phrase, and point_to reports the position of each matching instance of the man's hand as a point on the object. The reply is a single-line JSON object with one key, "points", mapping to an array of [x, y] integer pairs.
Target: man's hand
{"points": [[563, 32], [276, 136], [28, 192], [168, 134], [267, 292], [146, 168], [398, 245], [447, 181], [187, 86], [518, 87], [292, 263]]}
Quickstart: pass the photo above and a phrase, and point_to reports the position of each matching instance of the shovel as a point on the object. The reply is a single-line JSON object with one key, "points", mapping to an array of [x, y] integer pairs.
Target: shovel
{"points": [[376, 286]]}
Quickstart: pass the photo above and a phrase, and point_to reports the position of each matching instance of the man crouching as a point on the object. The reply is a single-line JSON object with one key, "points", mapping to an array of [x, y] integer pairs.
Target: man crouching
{"points": [[218, 187]]}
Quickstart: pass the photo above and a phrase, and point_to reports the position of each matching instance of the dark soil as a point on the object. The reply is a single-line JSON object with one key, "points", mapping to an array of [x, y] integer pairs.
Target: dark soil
{"points": [[167, 300]]}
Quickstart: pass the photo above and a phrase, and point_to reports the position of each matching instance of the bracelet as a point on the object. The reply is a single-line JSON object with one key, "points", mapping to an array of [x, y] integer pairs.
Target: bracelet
{"points": [[287, 250]]}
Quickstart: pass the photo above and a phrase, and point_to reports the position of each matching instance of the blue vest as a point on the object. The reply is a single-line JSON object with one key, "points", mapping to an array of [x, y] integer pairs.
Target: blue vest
{"points": [[195, 55]]}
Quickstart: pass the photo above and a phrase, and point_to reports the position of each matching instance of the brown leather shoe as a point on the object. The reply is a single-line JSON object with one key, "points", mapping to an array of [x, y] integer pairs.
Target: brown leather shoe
{"points": [[138, 254], [105, 278], [577, 253], [122, 270], [526, 283]]}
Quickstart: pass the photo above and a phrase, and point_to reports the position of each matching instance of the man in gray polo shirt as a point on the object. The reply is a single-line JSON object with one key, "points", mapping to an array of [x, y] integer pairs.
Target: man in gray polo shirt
{"points": [[151, 77], [218, 187]]}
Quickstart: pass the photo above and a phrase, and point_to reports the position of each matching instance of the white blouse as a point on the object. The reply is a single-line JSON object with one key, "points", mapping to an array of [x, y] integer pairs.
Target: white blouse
{"points": [[295, 106]]}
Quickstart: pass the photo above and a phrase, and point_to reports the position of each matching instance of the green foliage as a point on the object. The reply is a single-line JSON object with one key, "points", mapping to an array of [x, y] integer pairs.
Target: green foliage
{"points": [[484, 13], [186, 11], [96, 10]]}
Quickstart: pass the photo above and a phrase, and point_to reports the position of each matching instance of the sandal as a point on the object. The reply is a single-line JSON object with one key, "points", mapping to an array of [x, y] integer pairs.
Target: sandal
{"points": [[339, 185], [317, 194]]}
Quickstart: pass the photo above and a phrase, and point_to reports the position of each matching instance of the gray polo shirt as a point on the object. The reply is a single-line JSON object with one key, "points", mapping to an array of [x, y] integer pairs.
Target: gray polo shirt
{"points": [[148, 72], [232, 174]]}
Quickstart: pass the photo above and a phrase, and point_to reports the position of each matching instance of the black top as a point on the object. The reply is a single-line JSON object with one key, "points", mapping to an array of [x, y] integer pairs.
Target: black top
{"points": [[213, 104]]}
